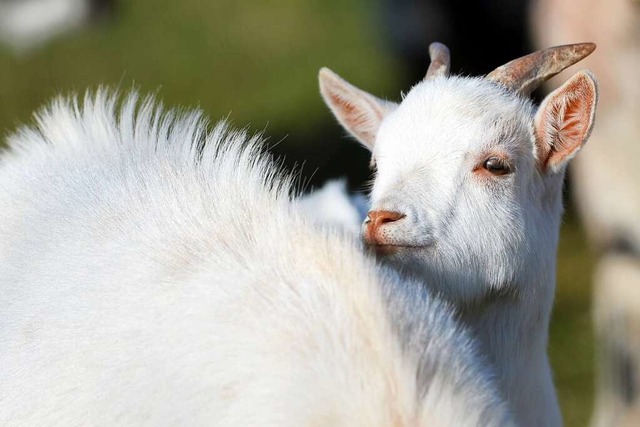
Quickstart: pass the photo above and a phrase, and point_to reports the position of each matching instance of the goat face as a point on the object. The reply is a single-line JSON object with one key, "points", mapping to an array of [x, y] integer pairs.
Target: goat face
{"points": [[468, 184], [456, 162]]}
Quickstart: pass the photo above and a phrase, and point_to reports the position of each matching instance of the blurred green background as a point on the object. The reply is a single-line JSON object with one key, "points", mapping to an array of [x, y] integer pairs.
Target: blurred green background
{"points": [[256, 62]]}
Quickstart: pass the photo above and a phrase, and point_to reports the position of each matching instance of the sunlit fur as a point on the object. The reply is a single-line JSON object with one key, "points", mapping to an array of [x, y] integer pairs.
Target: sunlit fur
{"points": [[153, 273], [486, 242]]}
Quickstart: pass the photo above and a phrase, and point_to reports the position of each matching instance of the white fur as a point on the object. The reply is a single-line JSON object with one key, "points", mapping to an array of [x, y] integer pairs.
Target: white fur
{"points": [[486, 243], [156, 274], [332, 205]]}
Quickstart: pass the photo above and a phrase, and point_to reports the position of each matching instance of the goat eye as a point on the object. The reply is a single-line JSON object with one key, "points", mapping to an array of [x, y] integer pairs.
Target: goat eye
{"points": [[496, 166]]}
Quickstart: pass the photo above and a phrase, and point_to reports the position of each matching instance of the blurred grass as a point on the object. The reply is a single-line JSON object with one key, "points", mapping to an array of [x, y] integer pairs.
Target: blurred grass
{"points": [[257, 63], [571, 346]]}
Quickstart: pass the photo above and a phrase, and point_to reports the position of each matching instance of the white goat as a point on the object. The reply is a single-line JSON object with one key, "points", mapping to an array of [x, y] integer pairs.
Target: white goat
{"points": [[606, 184], [333, 206], [152, 274], [467, 195], [27, 24]]}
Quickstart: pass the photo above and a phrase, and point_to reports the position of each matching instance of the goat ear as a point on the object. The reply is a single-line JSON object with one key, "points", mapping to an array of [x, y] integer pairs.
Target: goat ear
{"points": [[357, 111], [564, 120]]}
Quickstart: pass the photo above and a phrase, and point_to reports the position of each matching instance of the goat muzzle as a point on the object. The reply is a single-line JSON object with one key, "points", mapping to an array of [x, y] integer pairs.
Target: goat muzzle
{"points": [[375, 224]]}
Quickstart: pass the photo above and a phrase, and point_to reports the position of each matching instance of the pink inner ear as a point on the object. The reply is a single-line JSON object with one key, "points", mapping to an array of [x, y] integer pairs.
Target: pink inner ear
{"points": [[348, 109], [355, 117], [568, 119]]}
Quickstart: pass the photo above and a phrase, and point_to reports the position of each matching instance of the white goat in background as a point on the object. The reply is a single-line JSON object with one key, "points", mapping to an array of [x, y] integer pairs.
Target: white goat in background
{"points": [[332, 205], [606, 184], [154, 274], [28, 24], [468, 197]]}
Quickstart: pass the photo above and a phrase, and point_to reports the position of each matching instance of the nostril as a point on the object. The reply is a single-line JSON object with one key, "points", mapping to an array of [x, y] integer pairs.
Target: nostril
{"points": [[377, 218]]}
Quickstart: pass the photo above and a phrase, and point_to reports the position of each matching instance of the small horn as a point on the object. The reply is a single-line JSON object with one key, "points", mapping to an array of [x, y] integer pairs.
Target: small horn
{"points": [[440, 60], [525, 74]]}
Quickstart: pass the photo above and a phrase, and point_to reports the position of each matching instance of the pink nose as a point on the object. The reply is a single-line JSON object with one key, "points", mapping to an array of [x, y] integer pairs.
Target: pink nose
{"points": [[375, 220]]}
